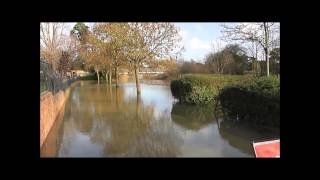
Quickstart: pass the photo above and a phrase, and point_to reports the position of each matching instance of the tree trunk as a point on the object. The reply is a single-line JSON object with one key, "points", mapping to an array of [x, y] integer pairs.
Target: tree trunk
{"points": [[137, 80], [98, 77], [110, 92], [266, 49], [97, 71], [110, 75], [267, 60], [107, 77], [116, 74], [256, 61]]}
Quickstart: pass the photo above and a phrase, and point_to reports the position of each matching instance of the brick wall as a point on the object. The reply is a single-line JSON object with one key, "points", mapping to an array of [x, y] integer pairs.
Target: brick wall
{"points": [[50, 107], [52, 142]]}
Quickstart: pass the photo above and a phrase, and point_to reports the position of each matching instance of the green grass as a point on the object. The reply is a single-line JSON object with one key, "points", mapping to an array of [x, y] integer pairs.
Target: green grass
{"points": [[43, 86]]}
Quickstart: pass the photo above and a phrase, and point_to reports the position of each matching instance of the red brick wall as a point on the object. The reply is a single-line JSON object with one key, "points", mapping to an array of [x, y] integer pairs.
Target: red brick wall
{"points": [[50, 106], [52, 142], [46, 114]]}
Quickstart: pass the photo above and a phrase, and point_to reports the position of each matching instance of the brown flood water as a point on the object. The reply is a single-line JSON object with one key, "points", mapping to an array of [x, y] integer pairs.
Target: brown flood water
{"points": [[103, 121]]}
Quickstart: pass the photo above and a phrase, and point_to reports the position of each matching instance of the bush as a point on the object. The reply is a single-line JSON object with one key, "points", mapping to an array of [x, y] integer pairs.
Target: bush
{"points": [[200, 89], [192, 91], [90, 77], [43, 86], [256, 101]]}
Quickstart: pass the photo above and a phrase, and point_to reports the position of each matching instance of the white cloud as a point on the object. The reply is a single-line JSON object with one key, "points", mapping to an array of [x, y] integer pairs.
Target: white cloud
{"points": [[183, 34], [196, 43]]}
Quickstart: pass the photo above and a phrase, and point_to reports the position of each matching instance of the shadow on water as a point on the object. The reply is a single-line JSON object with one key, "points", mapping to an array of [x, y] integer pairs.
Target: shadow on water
{"points": [[236, 134], [241, 135]]}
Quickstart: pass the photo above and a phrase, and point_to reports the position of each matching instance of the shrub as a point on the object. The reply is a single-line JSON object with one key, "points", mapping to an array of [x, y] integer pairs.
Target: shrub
{"points": [[256, 101], [200, 89], [90, 77], [43, 86]]}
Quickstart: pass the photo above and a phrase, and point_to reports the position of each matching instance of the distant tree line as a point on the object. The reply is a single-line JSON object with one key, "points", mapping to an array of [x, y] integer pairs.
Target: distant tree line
{"points": [[233, 59]]}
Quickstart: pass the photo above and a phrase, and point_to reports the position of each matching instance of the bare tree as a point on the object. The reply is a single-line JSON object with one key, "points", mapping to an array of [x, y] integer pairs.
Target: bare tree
{"points": [[71, 45], [252, 50], [218, 59], [51, 35], [253, 32]]}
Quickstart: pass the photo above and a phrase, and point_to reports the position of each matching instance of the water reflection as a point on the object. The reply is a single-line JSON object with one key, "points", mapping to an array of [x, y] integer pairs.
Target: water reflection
{"points": [[98, 122], [202, 138], [192, 117], [105, 121], [241, 135]]}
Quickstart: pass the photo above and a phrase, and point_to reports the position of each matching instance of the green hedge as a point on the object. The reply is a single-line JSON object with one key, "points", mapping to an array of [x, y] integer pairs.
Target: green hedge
{"points": [[90, 77], [256, 101], [201, 89]]}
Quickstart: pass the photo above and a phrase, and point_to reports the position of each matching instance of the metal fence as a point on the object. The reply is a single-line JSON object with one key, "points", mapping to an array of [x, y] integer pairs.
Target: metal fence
{"points": [[51, 80]]}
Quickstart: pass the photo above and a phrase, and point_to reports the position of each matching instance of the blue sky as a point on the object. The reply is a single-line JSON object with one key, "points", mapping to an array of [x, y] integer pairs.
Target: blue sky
{"points": [[197, 38]]}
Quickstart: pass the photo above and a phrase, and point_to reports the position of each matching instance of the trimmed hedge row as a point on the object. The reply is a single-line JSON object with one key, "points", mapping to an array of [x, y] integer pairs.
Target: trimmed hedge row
{"points": [[90, 77], [201, 89], [256, 101]]}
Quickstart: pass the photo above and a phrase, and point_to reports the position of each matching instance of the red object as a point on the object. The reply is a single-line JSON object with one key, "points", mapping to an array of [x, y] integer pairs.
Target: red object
{"points": [[267, 149]]}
